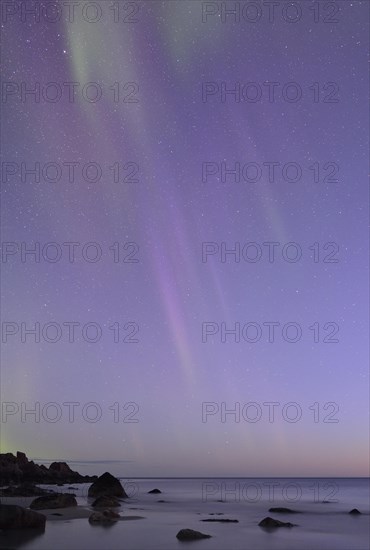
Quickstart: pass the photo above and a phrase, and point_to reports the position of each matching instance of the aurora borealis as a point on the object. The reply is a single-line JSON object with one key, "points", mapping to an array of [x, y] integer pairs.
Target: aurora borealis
{"points": [[156, 127]]}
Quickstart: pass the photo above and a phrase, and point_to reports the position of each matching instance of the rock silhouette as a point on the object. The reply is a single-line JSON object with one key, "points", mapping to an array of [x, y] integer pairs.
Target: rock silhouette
{"points": [[107, 516], [17, 517], [270, 522], [18, 469], [107, 485], [24, 490], [190, 534], [48, 502], [106, 502]]}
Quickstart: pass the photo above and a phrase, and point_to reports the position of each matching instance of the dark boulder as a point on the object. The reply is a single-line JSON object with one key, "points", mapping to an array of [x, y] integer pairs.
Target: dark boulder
{"points": [[58, 500], [190, 534], [270, 522], [107, 516], [17, 517], [154, 492], [106, 502], [355, 512], [107, 485]]}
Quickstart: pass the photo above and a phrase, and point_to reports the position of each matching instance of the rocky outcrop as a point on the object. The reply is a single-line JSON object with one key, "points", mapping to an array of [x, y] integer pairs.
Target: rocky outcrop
{"points": [[106, 502], [271, 523], [17, 517], [107, 485], [59, 500], [24, 490], [190, 534], [18, 470]]}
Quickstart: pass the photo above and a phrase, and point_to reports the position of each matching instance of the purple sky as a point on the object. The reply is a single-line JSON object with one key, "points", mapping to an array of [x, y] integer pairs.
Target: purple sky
{"points": [[161, 69]]}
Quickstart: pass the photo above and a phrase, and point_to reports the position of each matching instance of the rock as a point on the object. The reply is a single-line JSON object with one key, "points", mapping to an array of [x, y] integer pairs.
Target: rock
{"points": [[154, 492], [161, 501], [189, 534], [107, 516], [18, 469], [61, 468], [17, 517], [270, 522], [355, 512], [59, 500], [32, 471], [24, 490], [223, 520], [21, 457], [107, 485], [106, 502], [10, 471], [283, 511]]}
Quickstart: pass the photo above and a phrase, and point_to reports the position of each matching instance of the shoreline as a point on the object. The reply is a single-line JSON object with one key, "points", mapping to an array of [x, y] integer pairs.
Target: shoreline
{"points": [[60, 514], [230, 523]]}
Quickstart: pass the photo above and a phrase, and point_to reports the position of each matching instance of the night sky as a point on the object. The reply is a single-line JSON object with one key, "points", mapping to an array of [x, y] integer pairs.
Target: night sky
{"points": [[152, 126]]}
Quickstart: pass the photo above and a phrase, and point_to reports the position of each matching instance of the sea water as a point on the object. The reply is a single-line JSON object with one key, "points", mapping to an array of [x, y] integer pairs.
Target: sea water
{"points": [[324, 523]]}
